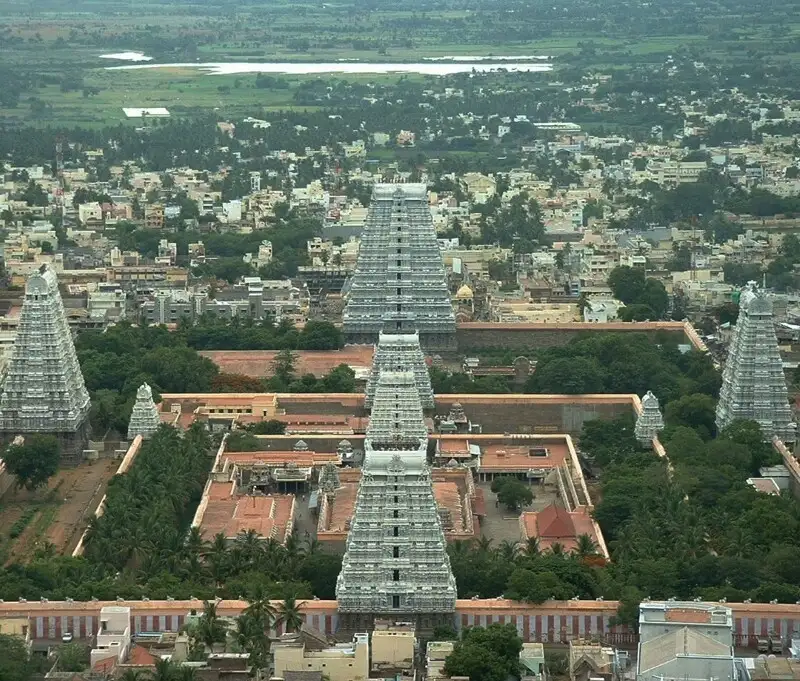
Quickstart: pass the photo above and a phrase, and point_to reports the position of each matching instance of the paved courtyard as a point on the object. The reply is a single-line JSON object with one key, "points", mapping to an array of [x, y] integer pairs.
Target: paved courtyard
{"points": [[500, 525]]}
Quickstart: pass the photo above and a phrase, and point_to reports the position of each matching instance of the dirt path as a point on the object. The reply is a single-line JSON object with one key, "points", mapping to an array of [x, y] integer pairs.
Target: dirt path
{"points": [[79, 495], [62, 509]]}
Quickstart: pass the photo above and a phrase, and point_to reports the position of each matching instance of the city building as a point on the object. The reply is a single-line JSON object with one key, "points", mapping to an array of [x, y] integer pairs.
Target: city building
{"points": [[685, 642], [113, 636], [399, 285], [589, 660], [43, 390], [396, 563], [306, 651], [400, 352], [753, 382]]}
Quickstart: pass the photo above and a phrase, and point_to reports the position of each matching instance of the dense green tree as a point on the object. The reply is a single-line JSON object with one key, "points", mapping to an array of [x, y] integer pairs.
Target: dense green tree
{"points": [[627, 283], [637, 313], [573, 376], [15, 664], [320, 335], [490, 654], [512, 493], [73, 657], [695, 411], [34, 461]]}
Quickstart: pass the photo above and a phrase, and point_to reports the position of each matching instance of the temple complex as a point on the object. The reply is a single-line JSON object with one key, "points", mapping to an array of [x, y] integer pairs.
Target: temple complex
{"points": [[649, 421], [399, 285], [43, 390], [400, 352], [144, 417], [753, 382], [396, 563]]}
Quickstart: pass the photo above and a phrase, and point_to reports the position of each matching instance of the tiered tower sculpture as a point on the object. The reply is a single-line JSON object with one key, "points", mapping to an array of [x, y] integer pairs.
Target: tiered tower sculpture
{"points": [[396, 562], [144, 417], [399, 285], [753, 382], [649, 422], [400, 352], [43, 390]]}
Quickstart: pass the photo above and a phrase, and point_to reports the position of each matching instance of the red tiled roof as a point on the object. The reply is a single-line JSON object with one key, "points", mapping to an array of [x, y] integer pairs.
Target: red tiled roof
{"points": [[554, 522], [141, 657]]}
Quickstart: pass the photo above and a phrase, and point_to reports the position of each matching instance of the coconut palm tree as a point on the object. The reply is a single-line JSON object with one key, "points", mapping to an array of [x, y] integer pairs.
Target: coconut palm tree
{"points": [[531, 547], [217, 557], [210, 629], [484, 544], [131, 675], [164, 671], [289, 614], [250, 543], [557, 549], [261, 609], [586, 546], [508, 550]]}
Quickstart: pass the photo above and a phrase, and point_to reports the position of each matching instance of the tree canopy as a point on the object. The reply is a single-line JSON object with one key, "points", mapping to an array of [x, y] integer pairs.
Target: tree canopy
{"points": [[490, 654], [34, 461]]}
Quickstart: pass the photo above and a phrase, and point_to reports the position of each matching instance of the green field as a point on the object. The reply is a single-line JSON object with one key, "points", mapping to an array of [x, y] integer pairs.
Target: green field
{"points": [[61, 40]]}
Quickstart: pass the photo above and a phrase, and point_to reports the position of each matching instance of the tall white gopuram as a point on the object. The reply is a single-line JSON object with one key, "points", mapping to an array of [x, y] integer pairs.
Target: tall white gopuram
{"points": [[399, 285], [753, 382], [396, 562], [43, 390]]}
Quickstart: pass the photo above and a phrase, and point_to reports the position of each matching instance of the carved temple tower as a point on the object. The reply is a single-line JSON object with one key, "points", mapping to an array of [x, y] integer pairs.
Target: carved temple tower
{"points": [[396, 564], [649, 422], [144, 417], [399, 285], [43, 389], [753, 382], [400, 352]]}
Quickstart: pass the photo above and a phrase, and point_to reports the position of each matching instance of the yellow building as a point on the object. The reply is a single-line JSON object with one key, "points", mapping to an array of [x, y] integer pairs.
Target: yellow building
{"points": [[341, 662], [393, 646], [16, 626]]}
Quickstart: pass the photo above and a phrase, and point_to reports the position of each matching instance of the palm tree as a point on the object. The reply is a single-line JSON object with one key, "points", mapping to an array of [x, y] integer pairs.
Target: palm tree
{"points": [[250, 543], [459, 548], [531, 547], [131, 675], [164, 671], [557, 549], [185, 674], [484, 544], [289, 614], [261, 609], [508, 550], [217, 556], [210, 629], [585, 546]]}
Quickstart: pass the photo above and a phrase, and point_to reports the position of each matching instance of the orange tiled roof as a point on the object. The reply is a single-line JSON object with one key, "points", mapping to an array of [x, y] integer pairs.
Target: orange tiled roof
{"points": [[258, 363], [688, 615]]}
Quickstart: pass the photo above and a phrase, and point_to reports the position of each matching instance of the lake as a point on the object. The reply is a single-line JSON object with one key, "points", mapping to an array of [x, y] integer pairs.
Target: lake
{"points": [[127, 56], [429, 68]]}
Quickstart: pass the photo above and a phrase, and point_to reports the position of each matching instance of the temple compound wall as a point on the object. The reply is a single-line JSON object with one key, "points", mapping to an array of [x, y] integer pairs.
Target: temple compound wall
{"points": [[532, 414], [474, 336], [551, 622]]}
